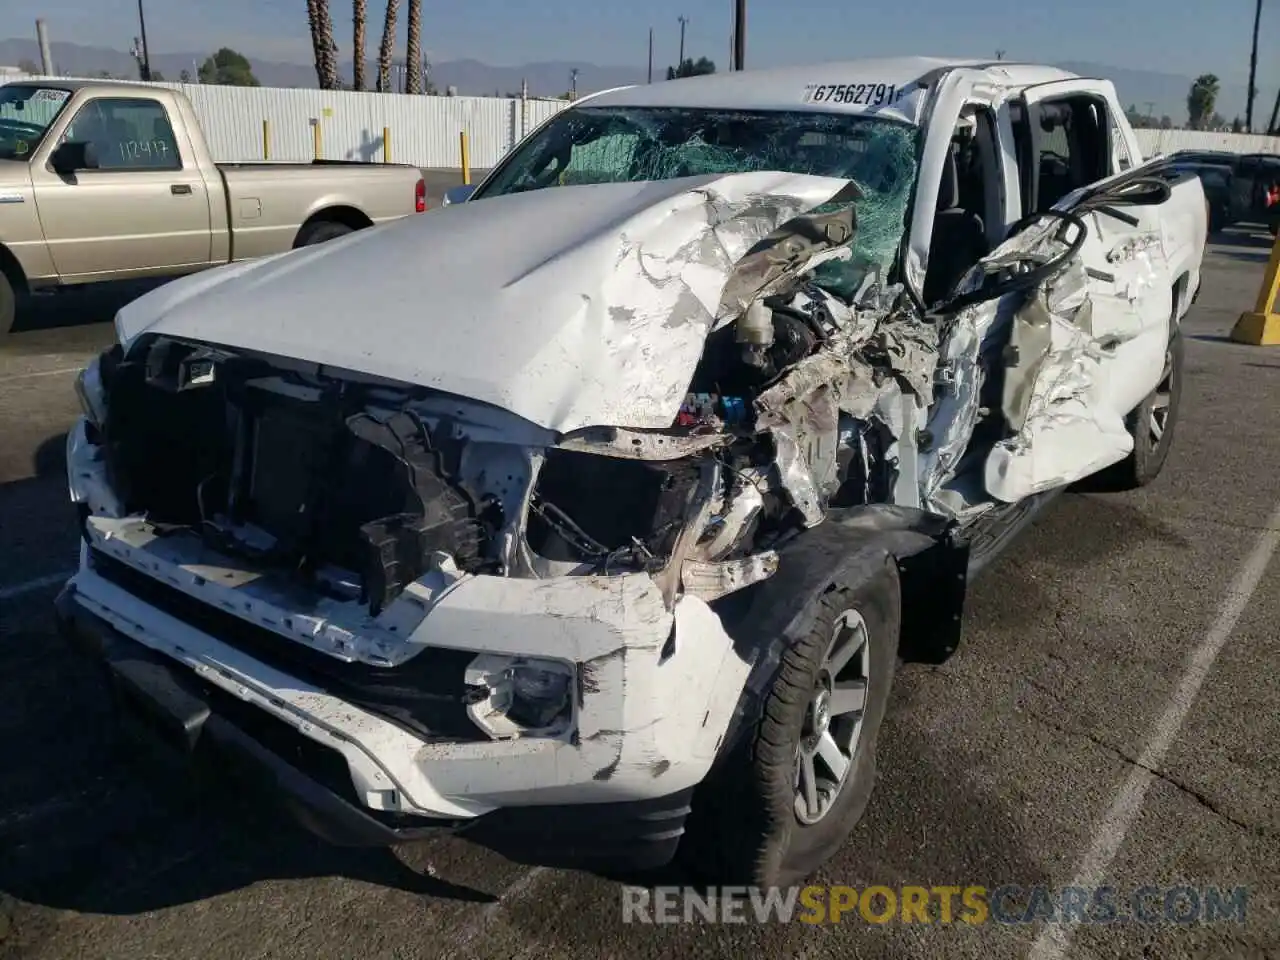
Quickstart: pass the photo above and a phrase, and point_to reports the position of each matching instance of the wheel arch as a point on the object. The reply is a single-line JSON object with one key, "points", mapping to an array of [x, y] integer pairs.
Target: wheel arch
{"points": [[348, 216], [1180, 308], [931, 563]]}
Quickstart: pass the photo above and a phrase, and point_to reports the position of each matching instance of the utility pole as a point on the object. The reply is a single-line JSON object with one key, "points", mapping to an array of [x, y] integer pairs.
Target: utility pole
{"points": [[145, 65], [651, 54], [1253, 69], [46, 58], [740, 35], [684, 22]]}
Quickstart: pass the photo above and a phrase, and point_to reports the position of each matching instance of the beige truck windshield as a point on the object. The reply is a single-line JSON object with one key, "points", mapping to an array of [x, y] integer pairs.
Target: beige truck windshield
{"points": [[26, 113]]}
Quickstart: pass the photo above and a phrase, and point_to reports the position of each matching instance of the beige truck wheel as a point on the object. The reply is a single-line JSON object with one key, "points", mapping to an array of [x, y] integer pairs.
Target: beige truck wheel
{"points": [[8, 305], [322, 231]]}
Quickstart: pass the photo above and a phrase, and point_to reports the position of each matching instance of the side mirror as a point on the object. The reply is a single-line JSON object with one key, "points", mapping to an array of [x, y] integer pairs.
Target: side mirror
{"points": [[458, 194], [74, 155]]}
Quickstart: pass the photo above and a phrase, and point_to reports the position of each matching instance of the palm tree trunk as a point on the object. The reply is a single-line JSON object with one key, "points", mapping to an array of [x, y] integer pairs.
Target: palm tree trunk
{"points": [[1275, 115], [324, 22], [359, 19], [317, 46], [388, 47], [413, 49], [1253, 68]]}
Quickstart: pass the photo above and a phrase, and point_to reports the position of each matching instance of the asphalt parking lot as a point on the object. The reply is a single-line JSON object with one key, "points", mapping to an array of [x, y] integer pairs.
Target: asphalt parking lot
{"points": [[1112, 717]]}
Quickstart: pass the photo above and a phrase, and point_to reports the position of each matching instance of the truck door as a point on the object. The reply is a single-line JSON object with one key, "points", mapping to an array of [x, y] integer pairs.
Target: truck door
{"points": [[144, 210], [1112, 355]]}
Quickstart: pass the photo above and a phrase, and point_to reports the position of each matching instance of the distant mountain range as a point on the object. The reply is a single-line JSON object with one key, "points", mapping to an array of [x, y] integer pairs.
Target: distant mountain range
{"points": [[1148, 91]]}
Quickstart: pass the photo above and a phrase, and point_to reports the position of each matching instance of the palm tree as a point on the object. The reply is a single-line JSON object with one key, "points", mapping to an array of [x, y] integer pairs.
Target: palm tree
{"points": [[388, 47], [322, 44], [317, 45], [1253, 68], [359, 20], [1202, 99], [330, 47], [413, 49]]}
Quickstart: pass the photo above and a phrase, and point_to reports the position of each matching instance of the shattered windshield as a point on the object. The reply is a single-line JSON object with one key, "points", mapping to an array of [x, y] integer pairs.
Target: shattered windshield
{"points": [[630, 144], [25, 115]]}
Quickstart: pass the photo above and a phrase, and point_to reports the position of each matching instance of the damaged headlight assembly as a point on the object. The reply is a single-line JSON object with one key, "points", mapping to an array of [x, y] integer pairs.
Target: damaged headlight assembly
{"points": [[520, 696]]}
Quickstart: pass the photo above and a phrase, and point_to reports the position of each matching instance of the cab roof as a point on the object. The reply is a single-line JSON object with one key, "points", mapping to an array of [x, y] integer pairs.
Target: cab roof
{"points": [[891, 86], [74, 85]]}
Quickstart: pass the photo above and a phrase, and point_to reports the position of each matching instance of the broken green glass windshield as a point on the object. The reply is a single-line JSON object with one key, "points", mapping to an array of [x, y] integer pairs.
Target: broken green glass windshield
{"points": [[631, 144]]}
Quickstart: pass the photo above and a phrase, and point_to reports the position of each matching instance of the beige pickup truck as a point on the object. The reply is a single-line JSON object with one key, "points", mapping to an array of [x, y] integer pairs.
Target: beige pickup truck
{"points": [[103, 180]]}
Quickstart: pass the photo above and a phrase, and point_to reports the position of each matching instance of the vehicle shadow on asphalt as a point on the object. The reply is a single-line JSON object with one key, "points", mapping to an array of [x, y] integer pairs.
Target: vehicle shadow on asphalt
{"points": [[1244, 237], [71, 308], [50, 458], [88, 824], [931, 821], [1245, 256], [94, 823], [1079, 530]]}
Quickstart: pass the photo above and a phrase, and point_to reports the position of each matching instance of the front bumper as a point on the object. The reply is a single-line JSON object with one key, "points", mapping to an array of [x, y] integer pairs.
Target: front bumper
{"points": [[196, 720]]}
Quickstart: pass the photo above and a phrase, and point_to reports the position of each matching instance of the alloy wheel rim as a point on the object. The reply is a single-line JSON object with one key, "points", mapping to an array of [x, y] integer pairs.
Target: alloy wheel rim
{"points": [[833, 721], [1162, 403]]}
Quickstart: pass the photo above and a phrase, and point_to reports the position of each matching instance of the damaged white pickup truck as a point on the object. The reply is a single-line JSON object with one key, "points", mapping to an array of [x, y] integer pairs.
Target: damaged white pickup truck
{"points": [[589, 517]]}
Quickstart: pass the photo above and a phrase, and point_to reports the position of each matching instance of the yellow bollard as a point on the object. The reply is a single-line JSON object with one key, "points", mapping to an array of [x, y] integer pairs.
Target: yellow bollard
{"points": [[315, 138], [1261, 325], [386, 144], [466, 158], [266, 139]]}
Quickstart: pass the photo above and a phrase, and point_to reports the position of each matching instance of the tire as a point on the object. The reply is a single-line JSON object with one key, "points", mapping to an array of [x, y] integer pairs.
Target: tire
{"points": [[322, 231], [1146, 461], [746, 827], [8, 305]]}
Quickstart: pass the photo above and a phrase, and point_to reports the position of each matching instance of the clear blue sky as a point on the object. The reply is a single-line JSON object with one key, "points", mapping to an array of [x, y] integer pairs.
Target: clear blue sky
{"points": [[1174, 36]]}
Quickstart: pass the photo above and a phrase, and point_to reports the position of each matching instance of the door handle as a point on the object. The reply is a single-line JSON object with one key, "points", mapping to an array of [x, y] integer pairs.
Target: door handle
{"points": [[180, 189]]}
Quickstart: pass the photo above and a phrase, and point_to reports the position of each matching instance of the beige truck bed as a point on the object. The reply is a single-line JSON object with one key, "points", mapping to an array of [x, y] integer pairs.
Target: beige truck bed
{"points": [[104, 181]]}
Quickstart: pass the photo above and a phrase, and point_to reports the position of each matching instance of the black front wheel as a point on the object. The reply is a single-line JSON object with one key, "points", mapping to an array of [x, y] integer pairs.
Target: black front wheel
{"points": [[789, 794]]}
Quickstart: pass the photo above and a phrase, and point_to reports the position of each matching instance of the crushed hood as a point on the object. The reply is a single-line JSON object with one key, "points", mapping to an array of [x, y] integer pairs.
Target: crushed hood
{"points": [[570, 307]]}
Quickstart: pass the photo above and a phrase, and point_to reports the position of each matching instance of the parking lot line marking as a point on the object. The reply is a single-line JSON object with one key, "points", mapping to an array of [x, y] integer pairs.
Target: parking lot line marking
{"points": [[1053, 942], [30, 586], [41, 373], [517, 889]]}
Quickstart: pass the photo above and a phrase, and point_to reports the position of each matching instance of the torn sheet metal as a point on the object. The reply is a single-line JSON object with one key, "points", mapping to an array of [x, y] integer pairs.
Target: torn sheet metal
{"points": [[593, 310], [1085, 349]]}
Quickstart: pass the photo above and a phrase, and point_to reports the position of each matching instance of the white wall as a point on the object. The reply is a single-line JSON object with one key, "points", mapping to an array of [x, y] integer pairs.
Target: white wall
{"points": [[423, 130], [1169, 141]]}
